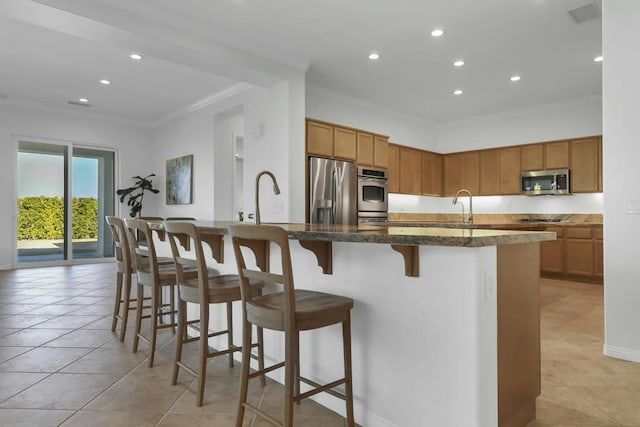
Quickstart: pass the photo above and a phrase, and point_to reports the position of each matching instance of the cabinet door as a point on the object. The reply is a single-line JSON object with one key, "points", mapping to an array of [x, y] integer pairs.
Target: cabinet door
{"points": [[394, 168], [319, 139], [552, 252], [489, 172], [410, 171], [471, 171], [431, 174], [344, 143], [556, 155], [598, 258], [600, 187], [380, 152], [584, 165], [365, 149], [452, 173], [580, 257], [532, 157], [509, 170]]}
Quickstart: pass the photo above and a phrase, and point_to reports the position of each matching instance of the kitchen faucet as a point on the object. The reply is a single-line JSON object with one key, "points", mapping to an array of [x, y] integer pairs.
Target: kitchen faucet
{"points": [[276, 190], [455, 201]]}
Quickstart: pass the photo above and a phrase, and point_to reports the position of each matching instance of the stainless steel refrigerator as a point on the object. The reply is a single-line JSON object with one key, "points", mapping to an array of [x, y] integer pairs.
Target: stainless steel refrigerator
{"points": [[332, 192]]}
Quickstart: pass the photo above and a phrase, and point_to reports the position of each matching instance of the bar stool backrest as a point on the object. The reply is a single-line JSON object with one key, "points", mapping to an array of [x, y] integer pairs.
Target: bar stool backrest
{"points": [[177, 232], [259, 237], [123, 251], [143, 250]]}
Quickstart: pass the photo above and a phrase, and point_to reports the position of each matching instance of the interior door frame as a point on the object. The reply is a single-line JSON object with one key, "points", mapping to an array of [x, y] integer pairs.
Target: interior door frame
{"points": [[70, 144]]}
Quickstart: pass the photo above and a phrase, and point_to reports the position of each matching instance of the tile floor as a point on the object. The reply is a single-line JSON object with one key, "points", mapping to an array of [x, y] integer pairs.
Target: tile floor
{"points": [[61, 365]]}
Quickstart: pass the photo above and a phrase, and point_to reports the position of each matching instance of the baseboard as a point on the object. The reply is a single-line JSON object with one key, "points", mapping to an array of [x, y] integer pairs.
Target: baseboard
{"points": [[6, 267], [622, 353]]}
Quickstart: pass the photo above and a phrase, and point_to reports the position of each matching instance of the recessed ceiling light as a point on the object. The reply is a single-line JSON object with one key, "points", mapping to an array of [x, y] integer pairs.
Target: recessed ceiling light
{"points": [[135, 56], [373, 56], [515, 78], [458, 63], [105, 82], [437, 33], [598, 58], [457, 92], [83, 100]]}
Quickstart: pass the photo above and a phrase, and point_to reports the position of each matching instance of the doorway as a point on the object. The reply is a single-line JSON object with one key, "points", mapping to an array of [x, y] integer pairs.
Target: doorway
{"points": [[64, 192]]}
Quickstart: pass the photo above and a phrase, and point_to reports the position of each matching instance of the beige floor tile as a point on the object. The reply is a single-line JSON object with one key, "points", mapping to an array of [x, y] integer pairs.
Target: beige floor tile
{"points": [[197, 420], [95, 310], [23, 320], [7, 331], [621, 403], [105, 361], [7, 353], [68, 322], [32, 337], [14, 382], [82, 338], [43, 359], [17, 308], [61, 391], [54, 309], [31, 417], [136, 392], [115, 418], [560, 404]]}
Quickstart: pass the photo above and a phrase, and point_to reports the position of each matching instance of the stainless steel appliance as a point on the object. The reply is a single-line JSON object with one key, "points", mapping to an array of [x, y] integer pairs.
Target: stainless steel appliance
{"points": [[551, 181], [332, 192], [373, 203]]}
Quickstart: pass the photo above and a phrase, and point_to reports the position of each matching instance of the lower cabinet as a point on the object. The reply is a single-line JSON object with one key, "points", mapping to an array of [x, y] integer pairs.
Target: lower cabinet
{"points": [[576, 254]]}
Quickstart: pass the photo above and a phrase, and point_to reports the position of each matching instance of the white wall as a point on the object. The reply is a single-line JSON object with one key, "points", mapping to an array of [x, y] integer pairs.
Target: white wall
{"points": [[621, 92], [569, 119], [226, 127], [270, 110], [336, 108], [132, 143]]}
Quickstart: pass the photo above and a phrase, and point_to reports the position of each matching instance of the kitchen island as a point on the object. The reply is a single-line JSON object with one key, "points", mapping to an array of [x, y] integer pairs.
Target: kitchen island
{"points": [[445, 325]]}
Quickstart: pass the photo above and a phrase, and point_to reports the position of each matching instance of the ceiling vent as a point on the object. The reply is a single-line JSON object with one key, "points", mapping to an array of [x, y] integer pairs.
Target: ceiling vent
{"points": [[586, 13], [81, 104]]}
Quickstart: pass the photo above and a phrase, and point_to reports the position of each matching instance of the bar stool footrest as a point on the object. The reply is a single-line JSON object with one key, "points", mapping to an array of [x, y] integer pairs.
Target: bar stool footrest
{"points": [[320, 388]]}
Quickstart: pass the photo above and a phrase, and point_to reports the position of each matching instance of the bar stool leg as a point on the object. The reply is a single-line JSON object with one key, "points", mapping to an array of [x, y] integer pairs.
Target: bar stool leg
{"points": [[291, 344], [127, 303], [139, 299], [263, 380], [296, 390], [346, 340], [116, 308], [244, 376], [172, 308], [156, 301], [204, 351], [230, 332], [182, 328]]}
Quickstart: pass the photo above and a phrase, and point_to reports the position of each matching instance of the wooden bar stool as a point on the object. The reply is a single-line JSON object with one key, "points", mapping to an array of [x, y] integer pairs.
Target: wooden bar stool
{"points": [[291, 310], [204, 289], [155, 276]]}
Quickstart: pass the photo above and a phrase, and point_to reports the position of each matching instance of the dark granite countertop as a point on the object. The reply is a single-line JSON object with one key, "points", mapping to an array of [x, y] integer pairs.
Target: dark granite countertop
{"points": [[404, 234]]}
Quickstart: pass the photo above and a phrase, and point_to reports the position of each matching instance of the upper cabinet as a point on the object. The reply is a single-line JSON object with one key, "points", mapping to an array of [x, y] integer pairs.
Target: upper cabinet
{"points": [[345, 143], [556, 155], [500, 171], [394, 168], [319, 139], [586, 165], [431, 174], [410, 171], [532, 157], [461, 170]]}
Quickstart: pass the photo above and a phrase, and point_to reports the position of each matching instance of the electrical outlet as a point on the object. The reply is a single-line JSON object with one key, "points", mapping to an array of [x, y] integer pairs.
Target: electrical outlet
{"points": [[490, 287]]}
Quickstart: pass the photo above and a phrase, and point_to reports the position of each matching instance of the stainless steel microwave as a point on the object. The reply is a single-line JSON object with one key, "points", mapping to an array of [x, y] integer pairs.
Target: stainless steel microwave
{"points": [[551, 181]]}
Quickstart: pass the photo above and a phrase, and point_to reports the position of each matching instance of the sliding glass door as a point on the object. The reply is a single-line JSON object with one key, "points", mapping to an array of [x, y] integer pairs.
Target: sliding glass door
{"points": [[64, 193]]}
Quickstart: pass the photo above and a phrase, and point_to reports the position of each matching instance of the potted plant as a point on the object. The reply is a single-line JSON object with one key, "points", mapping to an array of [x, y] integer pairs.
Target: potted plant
{"points": [[136, 193]]}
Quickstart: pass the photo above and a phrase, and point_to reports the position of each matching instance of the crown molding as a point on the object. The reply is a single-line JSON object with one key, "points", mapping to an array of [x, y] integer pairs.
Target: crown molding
{"points": [[203, 103]]}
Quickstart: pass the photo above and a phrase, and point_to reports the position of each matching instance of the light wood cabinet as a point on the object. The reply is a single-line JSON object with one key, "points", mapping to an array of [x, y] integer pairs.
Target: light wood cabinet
{"points": [[410, 171], [319, 139], [556, 155], [461, 170], [509, 170], [600, 186], [552, 252], [471, 171], [365, 149], [431, 174], [598, 258], [532, 157], [344, 143], [380, 151], [394, 168], [452, 173], [585, 169], [489, 172], [579, 257]]}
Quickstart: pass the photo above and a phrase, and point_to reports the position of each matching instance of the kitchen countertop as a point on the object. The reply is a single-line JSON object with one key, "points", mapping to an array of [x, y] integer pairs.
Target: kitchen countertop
{"points": [[396, 234]]}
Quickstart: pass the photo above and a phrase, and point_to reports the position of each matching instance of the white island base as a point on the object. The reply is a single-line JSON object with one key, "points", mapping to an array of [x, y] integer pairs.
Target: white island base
{"points": [[427, 350]]}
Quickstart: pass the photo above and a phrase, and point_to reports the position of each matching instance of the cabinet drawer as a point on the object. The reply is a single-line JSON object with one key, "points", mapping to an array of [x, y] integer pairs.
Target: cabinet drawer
{"points": [[579, 232], [597, 233], [557, 230]]}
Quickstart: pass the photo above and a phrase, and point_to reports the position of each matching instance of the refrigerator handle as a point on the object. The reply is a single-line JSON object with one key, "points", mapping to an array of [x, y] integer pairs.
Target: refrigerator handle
{"points": [[334, 192]]}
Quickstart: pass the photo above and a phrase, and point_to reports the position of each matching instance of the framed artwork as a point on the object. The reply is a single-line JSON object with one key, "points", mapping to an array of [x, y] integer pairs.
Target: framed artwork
{"points": [[179, 178]]}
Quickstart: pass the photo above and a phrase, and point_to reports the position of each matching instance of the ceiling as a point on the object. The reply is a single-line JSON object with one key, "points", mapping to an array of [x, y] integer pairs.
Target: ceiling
{"points": [[55, 51]]}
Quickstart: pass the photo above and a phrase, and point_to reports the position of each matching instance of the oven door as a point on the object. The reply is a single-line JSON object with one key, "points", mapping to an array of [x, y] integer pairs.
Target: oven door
{"points": [[372, 195]]}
